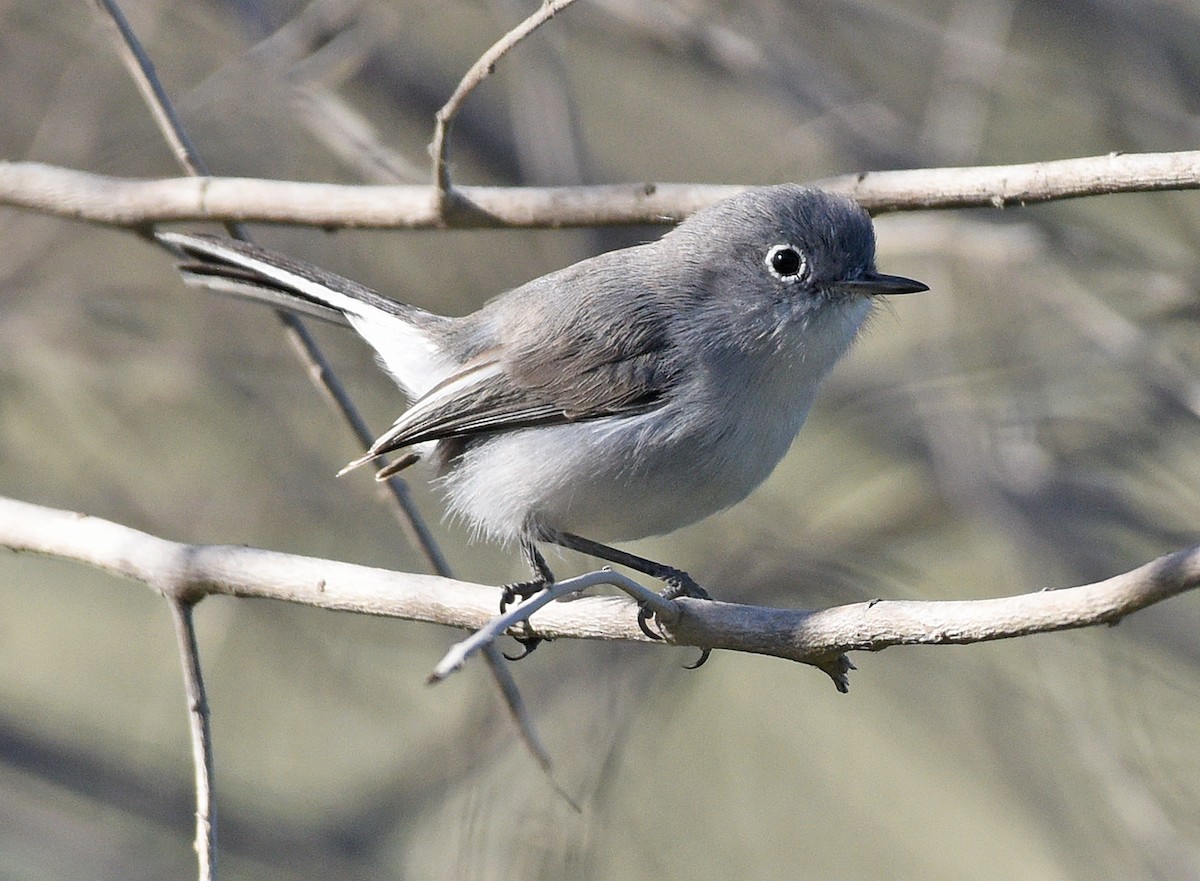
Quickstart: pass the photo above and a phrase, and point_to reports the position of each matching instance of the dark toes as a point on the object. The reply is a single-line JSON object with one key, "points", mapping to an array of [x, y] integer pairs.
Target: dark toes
{"points": [[700, 661], [684, 586], [528, 644], [511, 594]]}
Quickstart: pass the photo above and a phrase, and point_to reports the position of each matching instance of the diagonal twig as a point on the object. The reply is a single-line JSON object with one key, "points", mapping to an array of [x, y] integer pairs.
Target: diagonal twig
{"points": [[316, 364], [146, 79]]}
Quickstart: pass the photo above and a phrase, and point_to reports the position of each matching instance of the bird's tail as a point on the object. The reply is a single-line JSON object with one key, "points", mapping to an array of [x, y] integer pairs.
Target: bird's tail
{"points": [[405, 337]]}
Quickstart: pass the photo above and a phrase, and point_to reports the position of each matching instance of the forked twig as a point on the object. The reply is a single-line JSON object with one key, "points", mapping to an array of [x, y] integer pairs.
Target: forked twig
{"points": [[478, 72]]}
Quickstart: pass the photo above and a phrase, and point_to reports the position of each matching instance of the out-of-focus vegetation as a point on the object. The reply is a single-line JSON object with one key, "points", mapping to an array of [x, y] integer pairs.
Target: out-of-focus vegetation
{"points": [[1032, 421]]}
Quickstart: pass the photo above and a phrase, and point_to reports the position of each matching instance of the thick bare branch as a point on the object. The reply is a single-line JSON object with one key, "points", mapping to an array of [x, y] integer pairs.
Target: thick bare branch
{"points": [[135, 203], [997, 186], [190, 572]]}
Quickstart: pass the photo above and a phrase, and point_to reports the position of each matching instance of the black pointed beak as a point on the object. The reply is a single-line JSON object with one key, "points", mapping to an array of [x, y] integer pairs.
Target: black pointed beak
{"points": [[876, 284]]}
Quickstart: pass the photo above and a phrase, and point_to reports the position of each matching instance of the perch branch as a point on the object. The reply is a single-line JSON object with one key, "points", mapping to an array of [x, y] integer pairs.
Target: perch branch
{"points": [[818, 638], [137, 203]]}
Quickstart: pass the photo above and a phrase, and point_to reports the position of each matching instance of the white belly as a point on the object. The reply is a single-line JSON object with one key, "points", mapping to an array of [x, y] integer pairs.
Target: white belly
{"points": [[607, 482], [619, 479]]}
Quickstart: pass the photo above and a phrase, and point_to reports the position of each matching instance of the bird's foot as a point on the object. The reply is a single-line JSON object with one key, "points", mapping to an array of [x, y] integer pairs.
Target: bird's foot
{"points": [[679, 584], [511, 594], [516, 593]]}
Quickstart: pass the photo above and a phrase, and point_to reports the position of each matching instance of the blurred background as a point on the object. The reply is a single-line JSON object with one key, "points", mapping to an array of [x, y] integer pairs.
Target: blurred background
{"points": [[1032, 421]]}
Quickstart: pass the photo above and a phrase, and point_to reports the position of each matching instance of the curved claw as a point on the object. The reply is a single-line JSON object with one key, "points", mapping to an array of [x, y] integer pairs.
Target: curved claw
{"points": [[705, 654], [644, 616], [528, 644], [507, 597]]}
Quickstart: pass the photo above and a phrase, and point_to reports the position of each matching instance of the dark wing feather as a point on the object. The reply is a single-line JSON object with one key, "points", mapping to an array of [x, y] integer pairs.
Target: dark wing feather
{"points": [[245, 270], [484, 398]]}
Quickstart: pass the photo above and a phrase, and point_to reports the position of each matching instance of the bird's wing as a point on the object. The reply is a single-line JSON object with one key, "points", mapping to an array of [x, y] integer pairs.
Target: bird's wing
{"points": [[504, 389], [483, 398], [608, 357]]}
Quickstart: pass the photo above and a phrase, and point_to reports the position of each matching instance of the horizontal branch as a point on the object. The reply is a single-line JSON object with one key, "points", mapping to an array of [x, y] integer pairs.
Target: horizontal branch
{"points": [[132, 203], [189, 572]]}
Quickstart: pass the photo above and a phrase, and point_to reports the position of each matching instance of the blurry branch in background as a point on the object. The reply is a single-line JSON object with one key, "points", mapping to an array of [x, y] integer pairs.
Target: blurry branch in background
{"points": [[138, 203], [187, 573]]}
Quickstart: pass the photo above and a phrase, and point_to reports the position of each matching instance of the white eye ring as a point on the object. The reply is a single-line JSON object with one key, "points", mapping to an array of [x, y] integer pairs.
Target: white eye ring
{"points": [[787, 263]]}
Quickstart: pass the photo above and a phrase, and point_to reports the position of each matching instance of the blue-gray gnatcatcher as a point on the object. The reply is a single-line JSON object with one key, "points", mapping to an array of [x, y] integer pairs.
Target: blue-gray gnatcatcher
{"points": [[625, 396]]}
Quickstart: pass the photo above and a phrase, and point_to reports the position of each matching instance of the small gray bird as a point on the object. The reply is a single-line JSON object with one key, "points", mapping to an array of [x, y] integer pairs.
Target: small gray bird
{"points": [[625, 396]]}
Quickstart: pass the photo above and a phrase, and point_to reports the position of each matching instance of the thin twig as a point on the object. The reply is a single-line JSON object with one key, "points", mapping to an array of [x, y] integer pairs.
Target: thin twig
{"points": [[146, 78], [478, 72], [137, 203], [521, 613], [199, 725]]}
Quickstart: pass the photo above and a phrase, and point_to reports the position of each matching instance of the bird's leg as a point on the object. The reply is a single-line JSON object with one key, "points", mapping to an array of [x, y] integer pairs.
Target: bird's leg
{"points": [[542, 578], [678, 582]]}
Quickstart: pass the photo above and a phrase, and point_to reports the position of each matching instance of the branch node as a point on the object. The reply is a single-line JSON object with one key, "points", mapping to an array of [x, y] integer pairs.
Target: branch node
{"points": [[837, 668]]}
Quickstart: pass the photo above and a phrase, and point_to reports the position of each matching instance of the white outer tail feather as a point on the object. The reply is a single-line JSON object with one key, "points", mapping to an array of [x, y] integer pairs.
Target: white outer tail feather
{"points": [[405, 351]]}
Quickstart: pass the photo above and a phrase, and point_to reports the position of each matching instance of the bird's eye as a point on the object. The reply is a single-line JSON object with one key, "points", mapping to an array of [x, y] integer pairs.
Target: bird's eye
{"points": [[786, 263]]}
